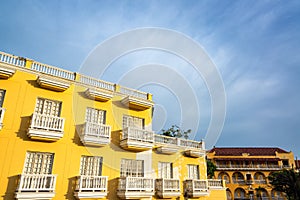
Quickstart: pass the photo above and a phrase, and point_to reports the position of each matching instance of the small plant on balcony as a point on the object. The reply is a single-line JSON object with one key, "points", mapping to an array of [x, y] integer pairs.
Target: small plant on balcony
{"points": [[175, 131]]}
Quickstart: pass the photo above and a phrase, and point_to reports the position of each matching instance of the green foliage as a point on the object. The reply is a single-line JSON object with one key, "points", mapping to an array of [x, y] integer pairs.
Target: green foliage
{"points": [[175, 131], [287, 181], [211, 168]]}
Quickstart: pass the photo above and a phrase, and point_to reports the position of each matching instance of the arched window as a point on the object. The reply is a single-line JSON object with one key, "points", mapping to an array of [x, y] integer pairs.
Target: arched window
{"points": [[239, 193], [259, 178], [277, 195], [262, 193], [238, 177], [224, 176], [228, 194]]}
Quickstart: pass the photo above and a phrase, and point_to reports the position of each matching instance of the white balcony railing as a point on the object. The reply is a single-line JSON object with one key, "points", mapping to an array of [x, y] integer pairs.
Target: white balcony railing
{"points": [[54, 71], [97, 83], [2, 111], [92, 183], [95, 134], [196, 187], [11, 59], [133, 93], [136, 134], [140, 184], [167, 185], [47, 122], [215, 183], [162, 139], [37, 183]]}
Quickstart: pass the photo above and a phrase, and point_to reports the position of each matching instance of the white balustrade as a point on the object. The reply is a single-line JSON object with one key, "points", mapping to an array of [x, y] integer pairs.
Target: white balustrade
{"points": [[190, 144], [134, 93], [215, 183], [54, 71], [196, 185], [92, 183], [167, 185], [37, 182], [97, 130], [136, 134], [97, 83], [47, 122], [162, 139], [140, 184], [11, 59], [2, 111]]}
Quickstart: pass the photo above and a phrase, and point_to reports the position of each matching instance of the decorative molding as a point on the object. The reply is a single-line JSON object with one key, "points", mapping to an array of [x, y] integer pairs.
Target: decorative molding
{"points": [[5, 73], [99, 94], [137, 103], [34, 195], [90, 195], [52, 83]]}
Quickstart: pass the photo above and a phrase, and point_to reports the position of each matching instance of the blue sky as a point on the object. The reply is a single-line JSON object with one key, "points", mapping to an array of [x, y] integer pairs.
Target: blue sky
{"points": [[254, 44]]}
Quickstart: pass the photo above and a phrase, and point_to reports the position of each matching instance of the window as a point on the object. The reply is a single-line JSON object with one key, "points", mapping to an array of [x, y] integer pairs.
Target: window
{"points": [[91, 166], [95, 116], [48, 107], [133, 122], [165, 170], [38, 163], [132, 168], [193, 171], [2, 94]]}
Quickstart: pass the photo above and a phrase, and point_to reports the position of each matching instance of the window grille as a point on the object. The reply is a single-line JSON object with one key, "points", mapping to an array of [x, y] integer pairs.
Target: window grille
{"points": [[38, 163], [48, 107], [91, 166], [193, 171], [133, 122], [165, 170], [95, 116], [132, 168]]}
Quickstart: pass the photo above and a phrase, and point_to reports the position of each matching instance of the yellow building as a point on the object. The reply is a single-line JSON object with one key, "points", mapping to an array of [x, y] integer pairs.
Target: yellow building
{"points": [[245, 170], [64, 135]]}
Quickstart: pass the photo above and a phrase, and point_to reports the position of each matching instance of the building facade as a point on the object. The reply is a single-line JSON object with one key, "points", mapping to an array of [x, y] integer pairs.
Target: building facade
{"points": [[245, 170], [65, 135]]}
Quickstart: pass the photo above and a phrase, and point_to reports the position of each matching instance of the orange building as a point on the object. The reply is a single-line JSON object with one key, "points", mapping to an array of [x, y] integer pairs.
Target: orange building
{"points": [[245, 170]]}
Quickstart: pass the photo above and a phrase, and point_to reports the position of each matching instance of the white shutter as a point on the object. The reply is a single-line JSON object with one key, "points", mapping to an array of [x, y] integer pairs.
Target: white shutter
{"points": [[38, 163]]}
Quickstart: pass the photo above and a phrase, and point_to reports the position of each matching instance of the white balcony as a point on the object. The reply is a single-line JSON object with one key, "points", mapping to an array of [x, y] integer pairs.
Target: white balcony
{"points": [[196, 188], [135, 187], [137, 139], [165, 144], [95, 134], [92, 187], [2, 111], [215, 184], [36, 186], [193, 149], [46, 127], [167, 188]]}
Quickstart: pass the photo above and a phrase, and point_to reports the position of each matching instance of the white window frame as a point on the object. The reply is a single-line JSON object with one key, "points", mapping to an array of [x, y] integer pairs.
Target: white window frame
{"points": [[165, 170], [38, 163], [132, 168], [96, 116], [91, 165], [133, 122], [47, 107], [193, 171]]}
